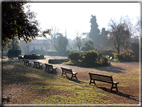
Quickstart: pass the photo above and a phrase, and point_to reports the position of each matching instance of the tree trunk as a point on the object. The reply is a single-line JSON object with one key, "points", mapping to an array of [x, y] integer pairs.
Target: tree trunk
{"points": [[79, 49], [118, 50]]}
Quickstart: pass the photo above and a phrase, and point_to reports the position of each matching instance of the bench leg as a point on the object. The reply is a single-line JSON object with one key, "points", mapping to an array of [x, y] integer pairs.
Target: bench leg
{"points": [[62, 73], [29, 64], [74, 76], [114, 87], [54, 70], [45, 68], [92, 82], [41, 67]]}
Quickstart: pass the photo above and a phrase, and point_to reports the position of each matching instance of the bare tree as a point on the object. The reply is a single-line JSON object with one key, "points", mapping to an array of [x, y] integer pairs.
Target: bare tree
{"points": [[79, 41], [118, 33], [53, 35]]}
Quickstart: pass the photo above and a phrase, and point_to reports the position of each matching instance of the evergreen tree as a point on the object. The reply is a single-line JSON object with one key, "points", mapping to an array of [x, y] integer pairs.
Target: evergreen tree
{"points": [[94, 32], [103, 38], [61, 45]]}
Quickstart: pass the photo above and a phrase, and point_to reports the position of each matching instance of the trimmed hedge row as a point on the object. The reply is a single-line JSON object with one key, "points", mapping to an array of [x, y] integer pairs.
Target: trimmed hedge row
{"points": [[57, 61], [34, 56], [14, 53]]}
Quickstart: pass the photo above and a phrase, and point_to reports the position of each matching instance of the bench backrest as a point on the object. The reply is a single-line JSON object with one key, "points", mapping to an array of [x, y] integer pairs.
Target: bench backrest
{"points": [[67, 70], [49, 66], [26, 61], [36, 63], [100, 77]]}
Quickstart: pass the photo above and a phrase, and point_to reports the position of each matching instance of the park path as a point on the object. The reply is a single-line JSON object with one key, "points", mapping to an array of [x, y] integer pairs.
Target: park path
{"points": [[117, 67]]}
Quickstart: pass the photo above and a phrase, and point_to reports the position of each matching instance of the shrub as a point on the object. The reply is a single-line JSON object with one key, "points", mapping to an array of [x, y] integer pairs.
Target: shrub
{"points": [[57, 61], [73, 55], [14, 53], [119, 57], [109, 52], [34, 56], [127, 55], [104, 61], [89, 57]]}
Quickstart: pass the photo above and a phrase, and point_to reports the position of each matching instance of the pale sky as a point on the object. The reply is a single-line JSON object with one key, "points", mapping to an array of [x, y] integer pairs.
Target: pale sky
{"points": [[76, 16]]}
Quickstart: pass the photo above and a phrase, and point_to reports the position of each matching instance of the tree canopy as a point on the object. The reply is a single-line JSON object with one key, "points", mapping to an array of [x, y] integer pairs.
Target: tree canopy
{"points": [[89, 45], [17, 23], [61, 45], [119, 32]]}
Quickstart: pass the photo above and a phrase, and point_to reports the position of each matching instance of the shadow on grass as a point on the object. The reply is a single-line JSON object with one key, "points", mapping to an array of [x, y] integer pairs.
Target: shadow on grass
{"points": [[113, 69], [18, 73], [118, 93], [108, 68], [74, 80], [11, 61]]}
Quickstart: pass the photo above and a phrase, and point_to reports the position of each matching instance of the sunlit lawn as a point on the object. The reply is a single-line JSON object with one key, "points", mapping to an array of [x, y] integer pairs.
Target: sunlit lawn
{"points": [[47, 88]]}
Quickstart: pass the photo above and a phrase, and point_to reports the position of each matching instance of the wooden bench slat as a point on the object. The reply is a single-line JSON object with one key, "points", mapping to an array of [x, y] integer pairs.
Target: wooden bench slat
{"points": [[37, 65], [26, 62], [50, 68], [69, 71], [103, 78]]}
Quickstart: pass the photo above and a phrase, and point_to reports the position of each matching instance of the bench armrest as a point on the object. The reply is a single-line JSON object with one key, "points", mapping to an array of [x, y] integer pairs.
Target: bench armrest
{"points": [[74, 72], [54, 68]]}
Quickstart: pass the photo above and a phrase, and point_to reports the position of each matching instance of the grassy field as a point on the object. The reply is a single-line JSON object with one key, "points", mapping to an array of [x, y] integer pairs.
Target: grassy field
{"points": [[27, 85]]}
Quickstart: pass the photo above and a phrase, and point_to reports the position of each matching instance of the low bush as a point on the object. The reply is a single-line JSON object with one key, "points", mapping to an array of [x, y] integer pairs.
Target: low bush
{"points": [[127, 55], [104, 61], [74, 56], [57, 61], [109, 52], [89, 57], [34, 56], [14, 53]]}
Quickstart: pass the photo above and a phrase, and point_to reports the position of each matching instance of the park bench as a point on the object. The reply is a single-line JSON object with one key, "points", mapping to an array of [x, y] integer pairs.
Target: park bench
{"points": [[37, 65], [69, 71], [27, 62], [103, 78], [50, 68]]}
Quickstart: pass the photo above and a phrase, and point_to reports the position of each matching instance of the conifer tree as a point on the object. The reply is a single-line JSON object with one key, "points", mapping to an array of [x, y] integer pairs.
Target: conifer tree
{"points": [[94, 32]]}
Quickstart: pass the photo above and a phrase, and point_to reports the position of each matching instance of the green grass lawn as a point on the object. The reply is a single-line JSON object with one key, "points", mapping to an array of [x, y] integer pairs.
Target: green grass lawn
{"points": [[48, 88], [60, 90]]}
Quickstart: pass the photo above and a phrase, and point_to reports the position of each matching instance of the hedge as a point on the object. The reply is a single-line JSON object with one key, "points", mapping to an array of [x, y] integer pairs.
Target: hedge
{"points": [[34, 56], [14, 53]]}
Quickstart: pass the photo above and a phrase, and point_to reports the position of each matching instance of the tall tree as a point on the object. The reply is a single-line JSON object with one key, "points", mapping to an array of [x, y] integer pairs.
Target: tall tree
{"points": [[52, 35], [103, 38], [17, 23], [78, 41], [61, 44], [94, 31], [118, 33]]}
